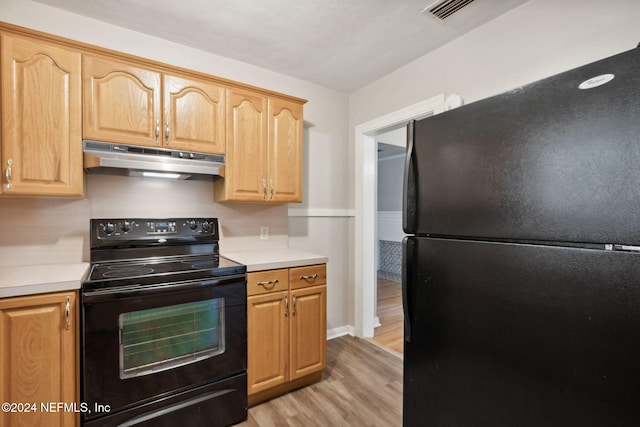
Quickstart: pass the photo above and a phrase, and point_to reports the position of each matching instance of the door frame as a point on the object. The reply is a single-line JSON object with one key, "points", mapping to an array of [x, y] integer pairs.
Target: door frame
{"points": [[366, 184]]}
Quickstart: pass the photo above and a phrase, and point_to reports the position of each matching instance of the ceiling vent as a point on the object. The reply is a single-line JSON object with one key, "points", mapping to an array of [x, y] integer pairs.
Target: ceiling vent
{"points": [[445, 8]]}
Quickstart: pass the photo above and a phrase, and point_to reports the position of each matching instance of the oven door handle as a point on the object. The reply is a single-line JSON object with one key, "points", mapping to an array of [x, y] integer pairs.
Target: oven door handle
{"points": [[141, 290]]}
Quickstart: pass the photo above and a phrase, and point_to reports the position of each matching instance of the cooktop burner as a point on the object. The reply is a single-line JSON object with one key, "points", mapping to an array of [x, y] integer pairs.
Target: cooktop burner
{"points": [[128, 269]]}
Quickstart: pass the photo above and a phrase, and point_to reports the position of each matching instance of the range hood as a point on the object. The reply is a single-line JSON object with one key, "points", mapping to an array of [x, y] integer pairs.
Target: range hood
{"points": [[120, 159]]}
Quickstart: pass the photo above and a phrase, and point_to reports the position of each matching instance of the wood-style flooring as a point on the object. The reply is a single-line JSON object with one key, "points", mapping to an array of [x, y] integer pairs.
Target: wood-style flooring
{"points": [[390, 333], [361, 386]]}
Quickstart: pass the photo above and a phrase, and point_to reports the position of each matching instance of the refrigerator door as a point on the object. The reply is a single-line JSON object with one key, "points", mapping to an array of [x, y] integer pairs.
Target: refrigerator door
{"points": [[547, 161], [520, 335]]}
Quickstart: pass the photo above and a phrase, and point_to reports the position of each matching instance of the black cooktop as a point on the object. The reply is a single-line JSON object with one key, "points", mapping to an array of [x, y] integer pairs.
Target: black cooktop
{"points": [[150, 271], [137, 268]]}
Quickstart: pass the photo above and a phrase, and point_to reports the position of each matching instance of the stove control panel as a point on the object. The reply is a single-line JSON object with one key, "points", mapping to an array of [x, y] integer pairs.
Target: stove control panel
{"points": [[153, 229], [161, 227]]}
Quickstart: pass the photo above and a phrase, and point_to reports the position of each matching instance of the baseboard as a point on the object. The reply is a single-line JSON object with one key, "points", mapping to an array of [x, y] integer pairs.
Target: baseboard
{"points": [[348, 330], [340, 332]]}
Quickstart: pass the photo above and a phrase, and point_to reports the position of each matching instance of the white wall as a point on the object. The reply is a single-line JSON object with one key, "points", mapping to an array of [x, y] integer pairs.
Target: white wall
{"points": [[53, 230], [535, 40]]}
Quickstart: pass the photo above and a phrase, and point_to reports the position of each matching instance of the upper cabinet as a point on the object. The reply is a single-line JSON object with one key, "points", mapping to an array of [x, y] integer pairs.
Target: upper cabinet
{"points": [[41, 118], [121, 102], [57, 92], [194, 115], [264, 149], [129, 104], [285, 151], [246, 158]]}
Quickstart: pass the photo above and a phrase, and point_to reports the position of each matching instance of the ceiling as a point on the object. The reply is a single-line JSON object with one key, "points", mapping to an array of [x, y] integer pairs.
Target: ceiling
{"points": [[339, 44]]}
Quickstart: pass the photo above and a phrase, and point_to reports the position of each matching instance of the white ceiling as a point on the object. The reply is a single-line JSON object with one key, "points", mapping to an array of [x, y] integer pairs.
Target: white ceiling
{"points": [[339, 44]]}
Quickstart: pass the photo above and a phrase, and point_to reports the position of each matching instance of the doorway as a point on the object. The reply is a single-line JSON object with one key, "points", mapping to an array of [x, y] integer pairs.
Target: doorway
{"points": [[389, 331], [366, 207]]}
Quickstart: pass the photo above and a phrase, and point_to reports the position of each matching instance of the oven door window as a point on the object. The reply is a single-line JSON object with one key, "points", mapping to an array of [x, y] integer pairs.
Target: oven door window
{"points": [[163, 338]]}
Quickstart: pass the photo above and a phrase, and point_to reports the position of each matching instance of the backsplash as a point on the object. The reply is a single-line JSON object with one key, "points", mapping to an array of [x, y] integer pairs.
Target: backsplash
{"points": [[54, 231]]}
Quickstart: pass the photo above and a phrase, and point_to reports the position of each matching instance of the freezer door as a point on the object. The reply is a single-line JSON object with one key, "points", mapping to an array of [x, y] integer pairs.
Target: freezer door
{"points": [[520, 335], [547, 161]]}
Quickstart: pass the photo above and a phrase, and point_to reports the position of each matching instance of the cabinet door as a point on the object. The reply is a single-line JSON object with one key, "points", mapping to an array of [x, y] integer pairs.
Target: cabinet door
{"points": [[38, 357], [285, 151], [308, 341], [41, 118], [194, 115], [121, 102], [246, 156], [267, 340]]}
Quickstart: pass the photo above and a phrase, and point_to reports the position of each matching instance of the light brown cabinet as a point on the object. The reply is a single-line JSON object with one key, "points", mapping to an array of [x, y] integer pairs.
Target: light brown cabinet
{"points": [[130, 104], [56, 91], [286, 314], [264, 149], [285, 151], [41, 118], [39, 359]]}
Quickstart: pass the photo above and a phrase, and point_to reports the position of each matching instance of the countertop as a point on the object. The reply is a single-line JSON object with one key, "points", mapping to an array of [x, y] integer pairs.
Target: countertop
{"points": [[45, 278], [275, 258], [40, 279]]}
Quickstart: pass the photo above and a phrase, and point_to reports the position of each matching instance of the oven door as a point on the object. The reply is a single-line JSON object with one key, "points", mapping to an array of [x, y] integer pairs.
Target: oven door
{"points": [[144, 343]]}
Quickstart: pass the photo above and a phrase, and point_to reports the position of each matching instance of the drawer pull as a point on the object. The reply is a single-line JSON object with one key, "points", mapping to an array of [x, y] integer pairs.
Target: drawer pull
{"points": [[309, 277], [7, 174], [269, 284], [293, 297], [286, 307], [67, 314]]}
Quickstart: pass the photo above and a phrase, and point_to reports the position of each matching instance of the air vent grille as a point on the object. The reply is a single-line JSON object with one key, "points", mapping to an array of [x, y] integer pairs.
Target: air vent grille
{"points": [[444, 9]]}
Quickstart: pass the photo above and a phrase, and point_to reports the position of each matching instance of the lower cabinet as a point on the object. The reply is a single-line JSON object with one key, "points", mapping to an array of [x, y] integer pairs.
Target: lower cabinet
{"points": [[287, 325], [39, 360]]}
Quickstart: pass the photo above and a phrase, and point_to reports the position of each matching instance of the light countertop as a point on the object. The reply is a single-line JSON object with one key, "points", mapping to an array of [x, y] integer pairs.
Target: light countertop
{"points": [[39, 279], [275, 258]]}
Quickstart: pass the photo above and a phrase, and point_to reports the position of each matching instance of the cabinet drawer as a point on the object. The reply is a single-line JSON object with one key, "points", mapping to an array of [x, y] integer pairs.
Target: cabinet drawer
{"points": [[263, 282], [301, 277]]}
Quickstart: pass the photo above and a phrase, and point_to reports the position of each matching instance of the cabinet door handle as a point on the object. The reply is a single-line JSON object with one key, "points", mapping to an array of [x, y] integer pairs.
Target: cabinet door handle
{"points": [[67, 314], [293, 297], [286, 306], [264, 189], [268, 284], [309, 277], [271, 185], [157, 132], [166, 134], [7, 174]]}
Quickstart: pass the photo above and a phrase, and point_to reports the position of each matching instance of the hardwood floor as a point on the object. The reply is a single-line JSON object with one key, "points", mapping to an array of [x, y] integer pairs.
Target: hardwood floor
{"points": [[390, 333], [361, 386]]}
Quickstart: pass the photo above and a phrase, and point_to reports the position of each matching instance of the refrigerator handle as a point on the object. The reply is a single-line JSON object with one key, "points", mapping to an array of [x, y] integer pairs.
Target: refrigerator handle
{"points": [[409, 188], [407, 258]]}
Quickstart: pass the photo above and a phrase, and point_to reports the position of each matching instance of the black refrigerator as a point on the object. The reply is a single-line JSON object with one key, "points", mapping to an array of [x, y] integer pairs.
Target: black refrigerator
{"points": [[521, 271]]}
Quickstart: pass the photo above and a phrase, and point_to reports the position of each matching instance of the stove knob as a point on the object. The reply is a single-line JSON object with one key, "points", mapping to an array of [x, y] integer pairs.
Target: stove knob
{"points": [[126, 226], [206, 227], [192, 224], [108, 228]]}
